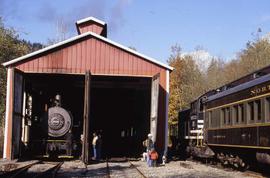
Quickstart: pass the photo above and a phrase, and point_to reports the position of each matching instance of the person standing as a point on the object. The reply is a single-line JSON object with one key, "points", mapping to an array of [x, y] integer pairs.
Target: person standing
{"points": [[94, 144], [153, 157], [69, 138], [99, 145], [149, 145]]}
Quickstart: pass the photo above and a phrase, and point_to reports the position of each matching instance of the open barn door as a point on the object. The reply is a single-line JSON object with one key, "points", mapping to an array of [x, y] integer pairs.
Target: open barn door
{"points": [[154, 106], [17, 114], [86, 117]]}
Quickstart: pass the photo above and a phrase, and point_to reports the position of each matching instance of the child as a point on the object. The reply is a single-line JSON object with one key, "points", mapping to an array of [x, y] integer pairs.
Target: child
{"points": [[153, 157]]}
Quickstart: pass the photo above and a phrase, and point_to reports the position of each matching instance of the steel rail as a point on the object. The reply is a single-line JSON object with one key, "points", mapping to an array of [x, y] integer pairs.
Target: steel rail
{"points": [[108, 169], [133, 166], [49, 173], [16, 172]]}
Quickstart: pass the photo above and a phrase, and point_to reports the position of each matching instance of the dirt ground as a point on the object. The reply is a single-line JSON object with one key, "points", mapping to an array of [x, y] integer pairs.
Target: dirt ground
{"points": [[186, 169]]}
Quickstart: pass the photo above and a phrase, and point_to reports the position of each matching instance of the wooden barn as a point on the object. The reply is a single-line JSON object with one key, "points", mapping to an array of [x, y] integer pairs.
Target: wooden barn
{"points": [[103, 85]]}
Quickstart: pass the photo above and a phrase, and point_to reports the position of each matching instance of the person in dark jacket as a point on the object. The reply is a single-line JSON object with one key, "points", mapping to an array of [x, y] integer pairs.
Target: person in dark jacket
{"points": [[99, 145]]}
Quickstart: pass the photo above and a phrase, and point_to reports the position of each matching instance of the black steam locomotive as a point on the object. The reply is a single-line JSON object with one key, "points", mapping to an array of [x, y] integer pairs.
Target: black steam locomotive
{"points": [[51, 133], [59, 128], [236, 122]]}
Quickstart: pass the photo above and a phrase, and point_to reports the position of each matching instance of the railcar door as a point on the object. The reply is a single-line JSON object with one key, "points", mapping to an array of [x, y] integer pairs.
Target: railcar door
{"points": [[154, 106], [86, 117], [17, 114]]}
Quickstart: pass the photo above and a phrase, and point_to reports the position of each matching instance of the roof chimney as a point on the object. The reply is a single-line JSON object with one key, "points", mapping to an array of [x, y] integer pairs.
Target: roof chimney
{"points": [[92, 24]]}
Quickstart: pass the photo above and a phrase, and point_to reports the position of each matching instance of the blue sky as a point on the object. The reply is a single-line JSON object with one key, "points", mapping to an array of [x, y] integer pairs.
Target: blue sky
{"points": [[151, 26]]}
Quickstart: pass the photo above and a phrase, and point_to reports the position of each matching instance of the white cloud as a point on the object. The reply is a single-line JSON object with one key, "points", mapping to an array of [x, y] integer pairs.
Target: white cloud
{"points": [[202, 58], [266, 37], [265, 18]]}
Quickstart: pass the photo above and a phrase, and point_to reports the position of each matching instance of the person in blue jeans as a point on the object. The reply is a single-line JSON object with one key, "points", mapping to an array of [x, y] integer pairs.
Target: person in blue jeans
{"points": [[94, 144], [153, 157], [99, 145], [149, 145]]}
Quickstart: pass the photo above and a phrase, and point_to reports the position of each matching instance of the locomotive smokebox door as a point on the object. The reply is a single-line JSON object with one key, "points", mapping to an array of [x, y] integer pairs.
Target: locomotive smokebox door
{"points": [[59, 121]]}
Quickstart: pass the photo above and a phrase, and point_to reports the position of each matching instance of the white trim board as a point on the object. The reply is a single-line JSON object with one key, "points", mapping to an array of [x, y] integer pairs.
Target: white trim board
{"points": [[90, 19]]}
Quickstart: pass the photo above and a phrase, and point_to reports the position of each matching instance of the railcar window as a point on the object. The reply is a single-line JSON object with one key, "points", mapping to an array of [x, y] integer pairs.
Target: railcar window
{"points": [[267, 109], [241, 112], [228, 115], [223, 119], [258, 113], [210, 118], [251, 111], [235, 114]]}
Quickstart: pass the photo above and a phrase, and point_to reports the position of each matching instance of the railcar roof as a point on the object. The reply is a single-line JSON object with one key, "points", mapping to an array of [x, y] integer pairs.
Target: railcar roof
{"points": [[241, 87]]}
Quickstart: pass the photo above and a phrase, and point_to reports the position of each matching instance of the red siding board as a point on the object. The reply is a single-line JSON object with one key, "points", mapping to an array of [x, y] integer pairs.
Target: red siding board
{"points": [[44, 64], [73, 64], [102, 60], [69, 59], [40, 63], [96, 58], [130, 64], [111, 60], [106, 59], [82, 63], [125, 62], [87, 65], [78, 56], [121, 61]]}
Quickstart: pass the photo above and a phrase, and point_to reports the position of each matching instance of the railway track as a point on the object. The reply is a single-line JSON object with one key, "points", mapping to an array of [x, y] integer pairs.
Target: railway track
{"points": [[125, 169], [34, 170]]}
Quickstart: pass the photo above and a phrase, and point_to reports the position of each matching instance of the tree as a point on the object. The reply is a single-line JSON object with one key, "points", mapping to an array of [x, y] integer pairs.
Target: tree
{"points": [[255, 56], [186, 82], [214, 76], [61, 32], [10, 47]]}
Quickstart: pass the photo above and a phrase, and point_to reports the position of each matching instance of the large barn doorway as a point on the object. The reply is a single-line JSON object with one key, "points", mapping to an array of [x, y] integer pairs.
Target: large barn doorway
{"points": [[39, 97], [118, 107], [120, 110]]}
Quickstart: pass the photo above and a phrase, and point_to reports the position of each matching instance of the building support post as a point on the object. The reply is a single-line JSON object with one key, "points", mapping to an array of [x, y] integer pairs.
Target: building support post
{"points": [[8, 116], [166, 113]]}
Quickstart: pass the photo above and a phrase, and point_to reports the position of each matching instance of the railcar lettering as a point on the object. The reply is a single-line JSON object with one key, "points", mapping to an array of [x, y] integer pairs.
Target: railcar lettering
{"points": [[260, 90]]}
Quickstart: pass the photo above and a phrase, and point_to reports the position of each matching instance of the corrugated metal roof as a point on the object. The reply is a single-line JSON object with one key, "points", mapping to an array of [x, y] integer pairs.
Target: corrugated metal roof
{"points": [[241, 87], [78, 37]]}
